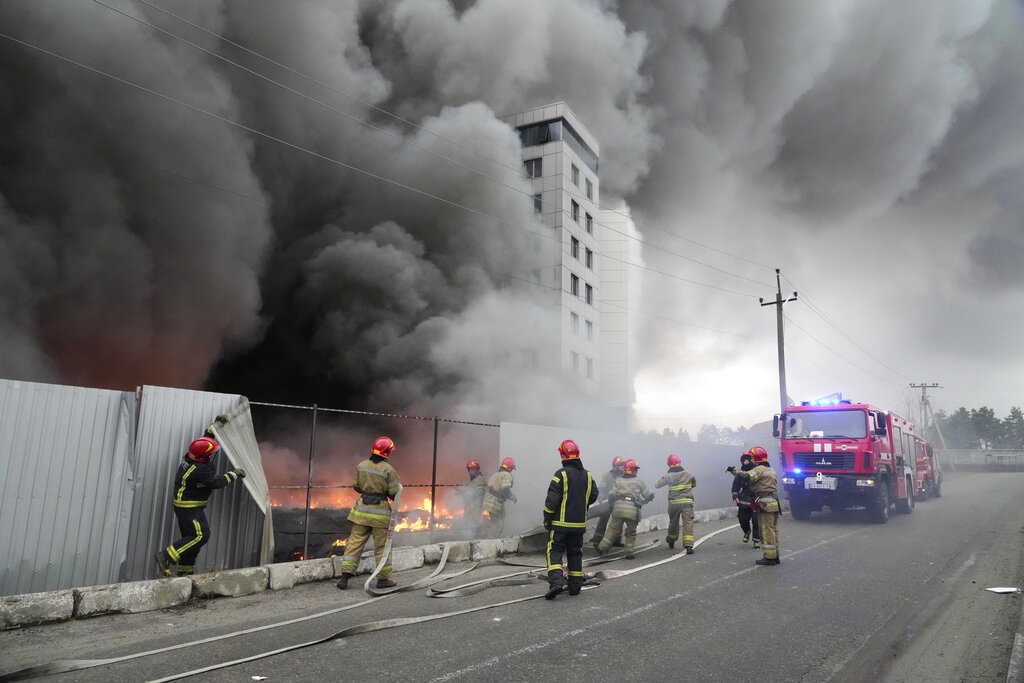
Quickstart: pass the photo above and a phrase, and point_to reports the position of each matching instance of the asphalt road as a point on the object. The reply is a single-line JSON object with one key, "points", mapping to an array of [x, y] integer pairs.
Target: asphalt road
{"points": [[851, 601]]}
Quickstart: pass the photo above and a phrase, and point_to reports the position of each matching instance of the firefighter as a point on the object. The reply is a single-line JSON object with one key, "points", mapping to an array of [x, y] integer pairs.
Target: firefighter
{"points": [[607, 484], [743, 497], [472, 495], [499, 490], [681, 484], [764, 487], [572, 490], [377, 483], [195, 480], [626, 498]]}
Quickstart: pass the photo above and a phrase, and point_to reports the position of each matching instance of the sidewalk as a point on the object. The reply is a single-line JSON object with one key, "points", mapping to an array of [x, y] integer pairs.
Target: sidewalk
{"points": [[33, 609]]}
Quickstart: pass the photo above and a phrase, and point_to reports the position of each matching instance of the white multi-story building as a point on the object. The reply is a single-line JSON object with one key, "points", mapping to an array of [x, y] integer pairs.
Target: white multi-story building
{"points": [[560, 156]]}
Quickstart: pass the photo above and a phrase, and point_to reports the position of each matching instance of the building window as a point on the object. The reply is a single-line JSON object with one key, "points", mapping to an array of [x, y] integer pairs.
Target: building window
{"points": [[574, 285], [575, 323], [590, 294], [574, 247], [575, 174], [590, 189], [534, 167], [575, 361], [590, 224], [589, 259], [590, 368], [576, 211], [538, 204], [590, 330]]}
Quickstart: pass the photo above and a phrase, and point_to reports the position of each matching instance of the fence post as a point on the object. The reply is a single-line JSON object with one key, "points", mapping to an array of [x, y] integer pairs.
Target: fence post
{"points": [[433, 480], [309, 488]]}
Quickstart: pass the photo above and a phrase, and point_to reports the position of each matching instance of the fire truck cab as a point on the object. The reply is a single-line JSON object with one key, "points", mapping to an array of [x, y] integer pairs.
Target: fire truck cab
{"points": [[839, 454], [929, 473]]}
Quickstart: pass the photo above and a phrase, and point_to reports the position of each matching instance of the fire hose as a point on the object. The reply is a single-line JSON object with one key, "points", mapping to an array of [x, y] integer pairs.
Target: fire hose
{"points": [[517, 578]]}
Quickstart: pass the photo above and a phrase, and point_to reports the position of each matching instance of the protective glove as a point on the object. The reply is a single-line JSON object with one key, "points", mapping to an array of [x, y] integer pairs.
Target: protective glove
{"points": [[221, 419], [729, 469], [513, 498], [240, 472], [547, 524]]}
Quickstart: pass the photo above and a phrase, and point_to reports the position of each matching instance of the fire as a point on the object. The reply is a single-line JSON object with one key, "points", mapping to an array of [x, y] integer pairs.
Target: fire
{"points": [[420, 517]]}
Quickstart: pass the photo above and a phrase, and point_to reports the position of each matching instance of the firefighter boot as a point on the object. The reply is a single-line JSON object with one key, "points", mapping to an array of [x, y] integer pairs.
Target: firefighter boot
{"points": [[164, 563], [553, 590], [343, 581], [757, 544], [689, 551], [746, 537], [764, 561], [386, 583], [629, 554], [671, 542]]}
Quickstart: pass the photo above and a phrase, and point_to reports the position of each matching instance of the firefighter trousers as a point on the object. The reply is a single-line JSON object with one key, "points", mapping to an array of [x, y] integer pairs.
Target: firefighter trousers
{"points": [[680, 515], [354, 549], [769, 534], [602, 525], [748, 521], [195, 533], [619, 527], [495, 521], [570, 544]]}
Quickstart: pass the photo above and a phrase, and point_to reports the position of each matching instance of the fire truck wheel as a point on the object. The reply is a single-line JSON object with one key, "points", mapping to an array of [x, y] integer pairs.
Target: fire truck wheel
{"points": [[937, 489], [926, 491], [906, 505], [801, 511], [879, 508]]}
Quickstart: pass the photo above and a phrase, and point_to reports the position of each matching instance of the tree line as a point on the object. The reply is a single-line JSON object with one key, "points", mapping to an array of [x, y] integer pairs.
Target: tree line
{"points": [[978, 428]]}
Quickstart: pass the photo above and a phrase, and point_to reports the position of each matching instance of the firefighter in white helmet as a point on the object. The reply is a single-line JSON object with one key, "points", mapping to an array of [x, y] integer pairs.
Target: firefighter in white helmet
{"points": [[627, 496], [499, 490], [681, 484], [377, 483]]}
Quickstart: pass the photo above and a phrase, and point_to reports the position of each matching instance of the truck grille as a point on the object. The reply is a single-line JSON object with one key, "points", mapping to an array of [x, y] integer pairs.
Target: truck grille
{"points": [[824, 461]]}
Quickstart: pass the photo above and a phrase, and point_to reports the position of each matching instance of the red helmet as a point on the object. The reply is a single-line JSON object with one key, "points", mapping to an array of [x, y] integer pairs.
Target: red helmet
{"points": [[759, 454], [383, 446], [674, 461], [617, 462], [630, 467], [569, 450], [508, 464], [473, 465], [203, 448]]}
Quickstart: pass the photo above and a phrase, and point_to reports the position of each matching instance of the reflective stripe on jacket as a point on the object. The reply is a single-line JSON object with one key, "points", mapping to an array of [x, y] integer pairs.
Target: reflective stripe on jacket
{"points": [[376, 482], [681, 484], [570, 493], [499, 489]]}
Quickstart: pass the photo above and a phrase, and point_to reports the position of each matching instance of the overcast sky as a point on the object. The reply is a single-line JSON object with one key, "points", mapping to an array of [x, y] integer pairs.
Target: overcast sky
{"points": [[320, 200]]}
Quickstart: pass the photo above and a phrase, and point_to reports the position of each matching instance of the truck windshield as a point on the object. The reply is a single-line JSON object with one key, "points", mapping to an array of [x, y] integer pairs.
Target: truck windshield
{"points": [[848, 424]]}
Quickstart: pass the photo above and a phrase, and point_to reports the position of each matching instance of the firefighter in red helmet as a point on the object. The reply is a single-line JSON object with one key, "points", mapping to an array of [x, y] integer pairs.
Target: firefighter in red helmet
{"points": [[764, 485], [572, 490], [681, 484], [377, 483], [627, 497], [195, 480], [472, 495], [607, 484], [499, 491]]}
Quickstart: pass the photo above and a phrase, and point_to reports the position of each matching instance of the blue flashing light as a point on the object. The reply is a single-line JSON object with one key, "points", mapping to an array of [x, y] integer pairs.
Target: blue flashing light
{"points": [[826, 402], [797, 471]]}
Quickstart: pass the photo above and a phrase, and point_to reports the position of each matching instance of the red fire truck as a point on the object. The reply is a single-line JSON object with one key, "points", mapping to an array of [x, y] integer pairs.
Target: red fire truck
{"points": [[839, 454], [929, 474]]}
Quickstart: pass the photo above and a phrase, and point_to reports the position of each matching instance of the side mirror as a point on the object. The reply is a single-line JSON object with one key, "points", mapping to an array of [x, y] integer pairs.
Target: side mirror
{"points": [[775, 426], [880, 429]]}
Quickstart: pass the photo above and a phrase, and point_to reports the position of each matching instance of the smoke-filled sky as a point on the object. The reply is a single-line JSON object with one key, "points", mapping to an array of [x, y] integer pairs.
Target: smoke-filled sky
{"points": [[319, 202]]}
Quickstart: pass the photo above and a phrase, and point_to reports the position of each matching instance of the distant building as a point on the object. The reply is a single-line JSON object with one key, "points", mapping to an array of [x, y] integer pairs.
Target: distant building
{"points": [[561, 158]]}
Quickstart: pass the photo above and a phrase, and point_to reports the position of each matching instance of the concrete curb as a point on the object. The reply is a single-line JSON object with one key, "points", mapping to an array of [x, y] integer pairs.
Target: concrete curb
{"points": [[1015, 672], [32, 609]]}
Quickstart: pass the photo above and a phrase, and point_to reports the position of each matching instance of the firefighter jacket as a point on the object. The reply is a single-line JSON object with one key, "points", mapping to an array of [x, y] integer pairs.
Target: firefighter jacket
{"points": [[680, 483], [195, 481], [473, 494], [499, 489], [764, 485], [572, 490], [608, 482], [377, 482], [628, 494], [741, 492]]}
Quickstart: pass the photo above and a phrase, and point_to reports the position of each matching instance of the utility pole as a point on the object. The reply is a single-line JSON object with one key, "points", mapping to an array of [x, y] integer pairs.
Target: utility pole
{"points": [[779, 301], [926, 410]]}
